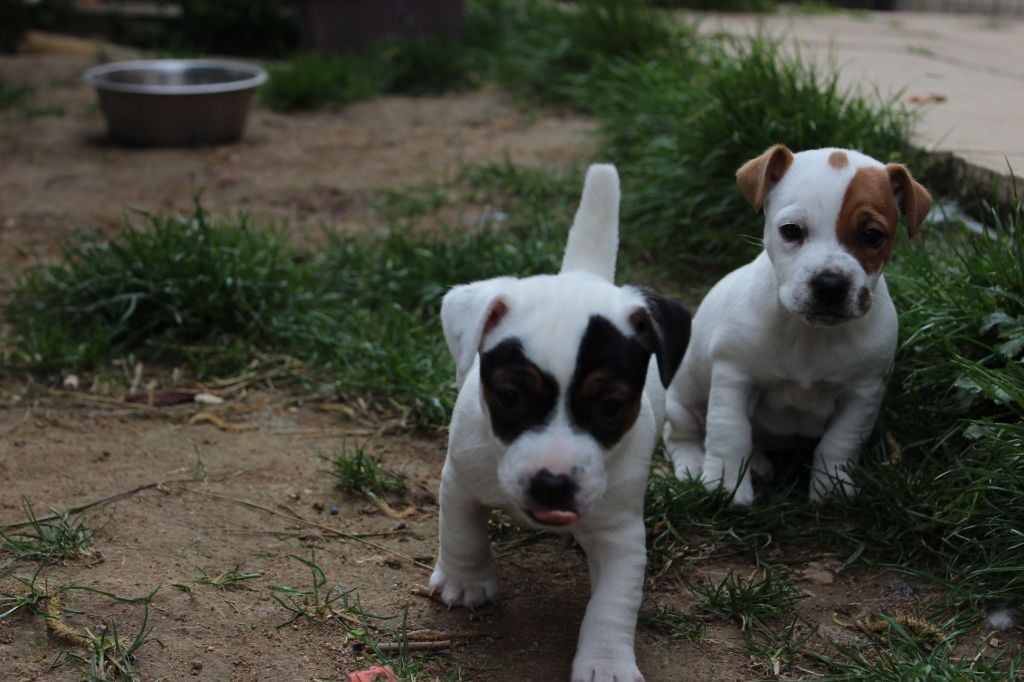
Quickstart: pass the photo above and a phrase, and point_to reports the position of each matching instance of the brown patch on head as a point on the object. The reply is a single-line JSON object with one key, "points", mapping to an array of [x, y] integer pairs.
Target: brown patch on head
{"points": [[869, 213], [758, 176], [838, 160]]}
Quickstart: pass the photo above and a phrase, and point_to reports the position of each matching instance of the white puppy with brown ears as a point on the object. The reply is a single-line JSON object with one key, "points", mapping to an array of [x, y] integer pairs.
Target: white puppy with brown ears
{"points": [[798, 342], [558, 413]]}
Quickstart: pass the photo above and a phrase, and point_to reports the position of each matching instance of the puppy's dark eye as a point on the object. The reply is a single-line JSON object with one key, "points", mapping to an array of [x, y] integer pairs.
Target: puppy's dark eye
{"points": [[509, 398], [611, 408], [791, 232], [872, 237]]}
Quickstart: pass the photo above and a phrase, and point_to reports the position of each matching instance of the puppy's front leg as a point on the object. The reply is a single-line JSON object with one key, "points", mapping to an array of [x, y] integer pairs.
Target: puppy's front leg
{"points": [[729, 438], [840, 446], [684, 425], [616, 558], [464, 572]]}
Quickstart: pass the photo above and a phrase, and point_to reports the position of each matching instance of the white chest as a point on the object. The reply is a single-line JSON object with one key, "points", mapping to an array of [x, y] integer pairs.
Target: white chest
{"points": [[788, 408]]}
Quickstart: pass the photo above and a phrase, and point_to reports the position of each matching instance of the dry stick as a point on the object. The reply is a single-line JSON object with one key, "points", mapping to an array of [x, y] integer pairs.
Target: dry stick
{"points": [[395, 647], [312, 524], [95, 503]]}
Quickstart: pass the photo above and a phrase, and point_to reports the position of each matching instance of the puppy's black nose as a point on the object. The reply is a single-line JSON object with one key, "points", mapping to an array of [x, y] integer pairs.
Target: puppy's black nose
{"points": [[552, 491], [830, 288]]}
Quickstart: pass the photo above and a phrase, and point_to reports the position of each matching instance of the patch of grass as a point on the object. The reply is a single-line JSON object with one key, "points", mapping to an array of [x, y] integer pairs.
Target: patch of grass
{"points": [[107, 655], [233, 578], [360, 317], [184, 278], [551, 52], [666, 621], [904, 654], [310, 81], [748, 600], [355, 471], [48, 540], [112, 658], [420, 66], [31, 600], [320, 602]]}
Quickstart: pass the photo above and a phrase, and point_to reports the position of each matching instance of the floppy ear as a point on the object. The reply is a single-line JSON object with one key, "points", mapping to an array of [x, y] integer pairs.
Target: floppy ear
{"points": [[468, 313], [663, 327], [913, 199], [758, 176]]}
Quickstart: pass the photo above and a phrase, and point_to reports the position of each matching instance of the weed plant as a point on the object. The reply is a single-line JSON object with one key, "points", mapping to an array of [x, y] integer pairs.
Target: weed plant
{"points": [[233, 578], [748, 600], [355, 471], [59, 539], [320, 602]]}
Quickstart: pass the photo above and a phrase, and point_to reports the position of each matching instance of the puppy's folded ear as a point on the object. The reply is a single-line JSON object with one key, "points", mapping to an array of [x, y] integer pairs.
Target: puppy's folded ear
{"points": [[663, 327], [468, 313], [913, 199], [758, 176]]}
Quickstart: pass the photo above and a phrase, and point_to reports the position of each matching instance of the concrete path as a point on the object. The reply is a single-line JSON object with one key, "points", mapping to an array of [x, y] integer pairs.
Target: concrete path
{"points": [[965, 73]]}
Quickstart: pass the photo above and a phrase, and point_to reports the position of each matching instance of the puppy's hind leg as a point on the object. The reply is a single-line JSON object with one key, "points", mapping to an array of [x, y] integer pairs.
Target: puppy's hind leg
{"points": [[464, 573], [684, 428]]}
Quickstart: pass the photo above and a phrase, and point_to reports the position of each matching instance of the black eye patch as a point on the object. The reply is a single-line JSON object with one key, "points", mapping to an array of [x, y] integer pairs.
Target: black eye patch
{"points": [[520, 397], [608, 383]]}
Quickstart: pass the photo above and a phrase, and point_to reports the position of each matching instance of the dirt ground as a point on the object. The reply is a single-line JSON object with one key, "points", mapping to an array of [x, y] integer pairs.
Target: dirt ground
{"points": [[255, 493]]}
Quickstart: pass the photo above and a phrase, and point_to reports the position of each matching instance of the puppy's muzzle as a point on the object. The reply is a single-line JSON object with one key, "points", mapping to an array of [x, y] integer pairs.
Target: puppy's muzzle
{"points": [[829, 291], [552, 498]]}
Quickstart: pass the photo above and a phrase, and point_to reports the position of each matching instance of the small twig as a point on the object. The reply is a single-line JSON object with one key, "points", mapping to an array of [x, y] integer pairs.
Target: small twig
{"points": [[427, 593], [313, 524], [207, 418], [96, 503], [301, 533], [394, 647]]}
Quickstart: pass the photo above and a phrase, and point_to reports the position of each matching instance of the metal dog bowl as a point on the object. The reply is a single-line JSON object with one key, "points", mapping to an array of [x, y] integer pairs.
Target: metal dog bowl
{"points": [[175, 101]]}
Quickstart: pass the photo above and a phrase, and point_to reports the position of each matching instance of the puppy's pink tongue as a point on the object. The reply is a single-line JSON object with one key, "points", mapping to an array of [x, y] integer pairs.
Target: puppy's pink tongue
{"points": [[560, 518]]}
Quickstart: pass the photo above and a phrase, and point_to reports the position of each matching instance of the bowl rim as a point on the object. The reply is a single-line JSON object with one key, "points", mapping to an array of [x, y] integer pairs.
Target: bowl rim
{"points": [[95, 76]]}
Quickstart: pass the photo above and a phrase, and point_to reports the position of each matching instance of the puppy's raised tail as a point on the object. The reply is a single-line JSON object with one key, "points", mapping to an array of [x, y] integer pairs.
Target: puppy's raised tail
{"points": [[594, 238]]}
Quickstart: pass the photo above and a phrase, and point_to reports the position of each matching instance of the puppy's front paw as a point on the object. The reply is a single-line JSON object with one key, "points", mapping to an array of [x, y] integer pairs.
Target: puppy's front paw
{"points": [[716, 475], [687, 458], [824, 486], [605, 669], [468, 591]]}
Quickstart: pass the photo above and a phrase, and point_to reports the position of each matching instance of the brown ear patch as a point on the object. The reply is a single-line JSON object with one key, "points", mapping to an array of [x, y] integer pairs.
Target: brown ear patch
{"points": [[868, 206], [838, 160], [913, 200], [758, 176]]}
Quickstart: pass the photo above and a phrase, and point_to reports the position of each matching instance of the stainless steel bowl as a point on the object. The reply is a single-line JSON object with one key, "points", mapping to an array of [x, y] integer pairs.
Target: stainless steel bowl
{"points": [[175, 101]]}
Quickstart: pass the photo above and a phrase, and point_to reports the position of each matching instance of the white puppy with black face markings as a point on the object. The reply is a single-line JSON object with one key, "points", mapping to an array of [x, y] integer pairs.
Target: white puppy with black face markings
{"points": [[797, 343], [558, 413]]}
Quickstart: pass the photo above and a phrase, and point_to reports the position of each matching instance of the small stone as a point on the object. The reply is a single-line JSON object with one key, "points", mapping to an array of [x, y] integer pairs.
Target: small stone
{"points": [[207, 399], [71, 382]]}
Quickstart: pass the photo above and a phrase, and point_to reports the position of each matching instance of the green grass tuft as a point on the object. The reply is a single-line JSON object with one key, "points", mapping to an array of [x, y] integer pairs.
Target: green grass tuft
{"points": [[310, 81], [356, 471], [748, 600], [58, 539]]}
